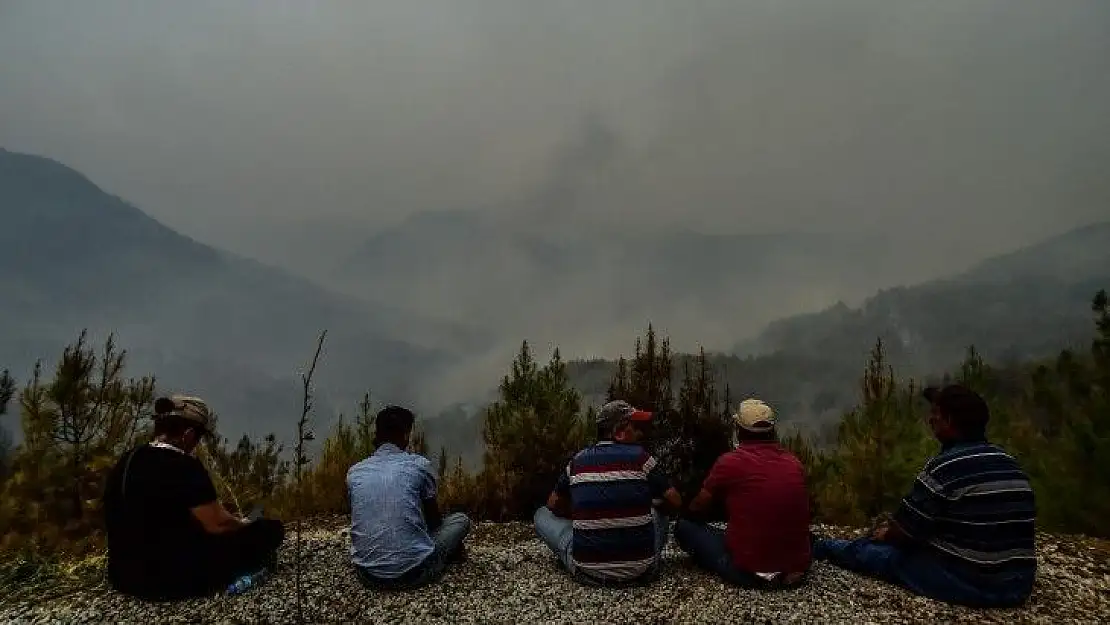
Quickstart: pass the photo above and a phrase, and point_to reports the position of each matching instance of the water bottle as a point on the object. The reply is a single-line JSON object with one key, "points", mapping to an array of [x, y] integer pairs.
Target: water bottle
{"points": [[240, 585], [246, 582]]}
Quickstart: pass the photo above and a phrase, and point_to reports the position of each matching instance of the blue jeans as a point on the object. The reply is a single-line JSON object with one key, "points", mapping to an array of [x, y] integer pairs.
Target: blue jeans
{"points": [[707, 547], [924, 573], [448, 540], [558, 534]]}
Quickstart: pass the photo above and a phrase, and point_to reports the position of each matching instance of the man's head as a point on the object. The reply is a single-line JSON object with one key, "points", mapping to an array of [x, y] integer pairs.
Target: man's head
{"points": [[619, 421], [182, 421], [958, 413], [393, 425], [754, 421]]}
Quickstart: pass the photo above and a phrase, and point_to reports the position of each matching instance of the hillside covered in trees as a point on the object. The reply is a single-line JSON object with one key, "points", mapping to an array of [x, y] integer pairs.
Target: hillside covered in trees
{"points": [[1053, 414], [1015, 308]]}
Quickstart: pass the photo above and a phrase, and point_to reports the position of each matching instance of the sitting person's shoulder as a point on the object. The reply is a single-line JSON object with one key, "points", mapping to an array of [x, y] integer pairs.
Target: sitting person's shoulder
{"points": [[165, 456], [419, 460]]}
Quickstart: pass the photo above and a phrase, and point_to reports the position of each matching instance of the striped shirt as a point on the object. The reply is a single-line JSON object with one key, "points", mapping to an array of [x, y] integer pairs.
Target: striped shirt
{"points": [[974, 506], [612, 488]]}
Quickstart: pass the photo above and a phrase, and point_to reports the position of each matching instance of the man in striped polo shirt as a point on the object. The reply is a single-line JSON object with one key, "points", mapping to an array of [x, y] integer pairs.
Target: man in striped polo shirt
{"points": [[601, 520], [965, 532]]}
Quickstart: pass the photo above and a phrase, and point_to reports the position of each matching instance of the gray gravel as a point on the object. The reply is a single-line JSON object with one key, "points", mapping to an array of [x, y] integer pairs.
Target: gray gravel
{"points": [[511, 578]]}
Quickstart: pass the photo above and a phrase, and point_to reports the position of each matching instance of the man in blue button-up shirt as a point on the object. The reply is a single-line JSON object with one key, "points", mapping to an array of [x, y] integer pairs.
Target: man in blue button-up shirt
{"points": [[398, 538]]}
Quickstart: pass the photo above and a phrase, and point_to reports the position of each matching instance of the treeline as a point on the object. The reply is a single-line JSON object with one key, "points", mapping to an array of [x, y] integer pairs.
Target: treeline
{"points": [[1054, 416]]}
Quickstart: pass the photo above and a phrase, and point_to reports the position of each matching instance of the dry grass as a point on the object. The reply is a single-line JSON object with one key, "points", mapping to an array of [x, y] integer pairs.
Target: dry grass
{"points": [[25, 577]]}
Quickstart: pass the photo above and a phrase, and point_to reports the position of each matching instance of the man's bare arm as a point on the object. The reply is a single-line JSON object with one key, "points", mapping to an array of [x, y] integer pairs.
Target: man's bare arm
{"points": [[701, 505], [215, 519]]}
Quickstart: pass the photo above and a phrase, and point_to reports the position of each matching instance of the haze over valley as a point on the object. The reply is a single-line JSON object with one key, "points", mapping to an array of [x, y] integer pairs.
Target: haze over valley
{"points": [[780, 183]]}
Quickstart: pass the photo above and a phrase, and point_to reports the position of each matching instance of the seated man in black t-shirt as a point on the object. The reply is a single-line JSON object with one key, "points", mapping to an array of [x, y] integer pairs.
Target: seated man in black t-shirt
{"points": [[168, 535]]}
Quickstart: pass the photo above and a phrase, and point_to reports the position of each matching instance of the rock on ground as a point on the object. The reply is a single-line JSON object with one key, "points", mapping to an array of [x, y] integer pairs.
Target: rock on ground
{"points": [[512, 578]]}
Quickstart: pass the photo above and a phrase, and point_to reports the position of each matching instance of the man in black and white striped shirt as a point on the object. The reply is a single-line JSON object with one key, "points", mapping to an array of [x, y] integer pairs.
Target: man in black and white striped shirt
{"points": [[965, 532]]}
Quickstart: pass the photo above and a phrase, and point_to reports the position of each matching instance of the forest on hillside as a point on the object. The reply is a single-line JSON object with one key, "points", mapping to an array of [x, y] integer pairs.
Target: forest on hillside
{"points": [[1052, 414]]}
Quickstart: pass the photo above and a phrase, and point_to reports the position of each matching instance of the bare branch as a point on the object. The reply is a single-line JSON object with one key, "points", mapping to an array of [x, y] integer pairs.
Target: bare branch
{"points": [[303, 435]]}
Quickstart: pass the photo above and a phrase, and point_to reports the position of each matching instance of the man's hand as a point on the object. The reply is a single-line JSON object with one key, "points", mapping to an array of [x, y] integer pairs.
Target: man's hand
{"points": [[671, 502], [891, 533], [558, 505], [881, 531]]}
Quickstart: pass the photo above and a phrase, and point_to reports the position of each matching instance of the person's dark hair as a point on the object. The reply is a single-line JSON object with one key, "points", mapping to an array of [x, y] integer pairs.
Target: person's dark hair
{"points": [[174, 426], [965, 409], [604, 431], [393, 424], [744, 435]]}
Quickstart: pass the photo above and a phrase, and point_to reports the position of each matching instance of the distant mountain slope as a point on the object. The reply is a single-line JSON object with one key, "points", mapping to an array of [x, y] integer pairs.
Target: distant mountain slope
{"points": [[1018, 307], [1072, 257], [1014, 307], [72, 256]]}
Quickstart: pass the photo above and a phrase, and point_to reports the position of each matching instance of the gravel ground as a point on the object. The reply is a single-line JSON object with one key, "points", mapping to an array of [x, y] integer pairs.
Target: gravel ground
{"points": [[511, 578]]}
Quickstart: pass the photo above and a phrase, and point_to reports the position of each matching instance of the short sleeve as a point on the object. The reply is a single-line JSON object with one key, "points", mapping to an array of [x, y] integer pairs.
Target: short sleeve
{"points": [[918, 511], [717, 478], [658, 481], [562, 483], [192, 483]]}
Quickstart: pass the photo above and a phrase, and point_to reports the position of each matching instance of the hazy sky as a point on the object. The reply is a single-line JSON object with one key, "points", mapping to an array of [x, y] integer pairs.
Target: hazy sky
{"points": [[976, 121]]}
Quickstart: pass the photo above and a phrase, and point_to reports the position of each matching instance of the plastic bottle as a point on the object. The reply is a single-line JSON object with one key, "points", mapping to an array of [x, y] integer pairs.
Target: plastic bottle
{"points": [[246, 582]]}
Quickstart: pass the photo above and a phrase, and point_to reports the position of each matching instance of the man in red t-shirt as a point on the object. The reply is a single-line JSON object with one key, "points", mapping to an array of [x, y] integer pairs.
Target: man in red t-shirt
{"points": [[762, 487]]}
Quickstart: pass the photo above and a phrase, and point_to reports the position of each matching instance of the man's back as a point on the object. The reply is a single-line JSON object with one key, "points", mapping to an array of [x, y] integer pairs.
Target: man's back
{"points": [[763, 487], [154, 542], [389, 535], [974, 505], [611, 487]]}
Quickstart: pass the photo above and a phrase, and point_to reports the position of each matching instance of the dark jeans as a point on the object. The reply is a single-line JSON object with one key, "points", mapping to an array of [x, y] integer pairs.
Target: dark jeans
{"points": [[448, 539], [248, 550], [706, 546], [924, 573], [210, 566]]}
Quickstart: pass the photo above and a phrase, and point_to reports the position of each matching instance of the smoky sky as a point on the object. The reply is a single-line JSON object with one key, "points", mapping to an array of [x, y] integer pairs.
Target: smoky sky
{"points": [[965, 126]]}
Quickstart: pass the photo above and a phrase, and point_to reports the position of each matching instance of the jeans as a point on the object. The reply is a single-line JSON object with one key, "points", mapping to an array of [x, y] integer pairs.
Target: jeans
{"points": [[924, 573], [707, 547], [448, 539], [558, 534]]}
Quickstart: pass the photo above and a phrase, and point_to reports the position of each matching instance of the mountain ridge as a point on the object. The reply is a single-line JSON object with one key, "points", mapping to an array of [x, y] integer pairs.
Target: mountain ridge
{"points": [[74, 257]]}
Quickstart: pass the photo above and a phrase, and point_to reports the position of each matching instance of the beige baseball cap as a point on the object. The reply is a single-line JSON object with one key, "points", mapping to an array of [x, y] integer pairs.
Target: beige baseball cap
{"points": [[186, 407], [754, 415]]}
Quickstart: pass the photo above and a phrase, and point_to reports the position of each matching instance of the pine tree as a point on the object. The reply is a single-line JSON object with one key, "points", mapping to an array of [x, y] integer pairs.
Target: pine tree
{"points": [[364, 428], [441, 469], [419, 442], [75, 426], [530, 433], [881, 445], [646, 381], [693, 436], [7, 391]]}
